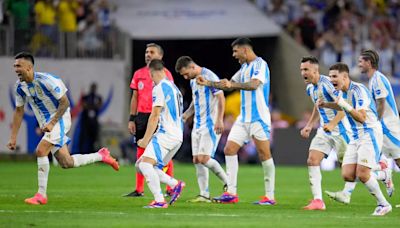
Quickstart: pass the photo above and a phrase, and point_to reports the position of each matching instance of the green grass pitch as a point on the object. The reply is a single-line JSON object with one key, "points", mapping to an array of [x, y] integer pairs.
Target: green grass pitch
{"points": [[91, 196]]}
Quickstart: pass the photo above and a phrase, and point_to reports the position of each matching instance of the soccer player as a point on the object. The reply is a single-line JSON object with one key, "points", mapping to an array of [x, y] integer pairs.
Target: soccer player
{"points": [[208, 107], [162, 145], [254, 121], [332, 133], [46, 94], [382, 94], [364, 151], [140, 109]]}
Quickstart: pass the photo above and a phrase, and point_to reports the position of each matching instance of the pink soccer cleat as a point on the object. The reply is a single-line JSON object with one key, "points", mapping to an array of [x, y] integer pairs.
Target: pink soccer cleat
{"points": [[226, 197], [155, 204], [265, 201], [106, 158], [176, 192], [36, 200], [315, 204]]}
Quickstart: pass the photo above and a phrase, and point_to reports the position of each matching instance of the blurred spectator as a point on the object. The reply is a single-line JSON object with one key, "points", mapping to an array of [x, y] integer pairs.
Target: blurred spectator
{"points": [[105, 22], [20, 13], [91, 104], [88, 42], [67, 15], [278, 12], [307, 29], [45, 40], [277, 122]]}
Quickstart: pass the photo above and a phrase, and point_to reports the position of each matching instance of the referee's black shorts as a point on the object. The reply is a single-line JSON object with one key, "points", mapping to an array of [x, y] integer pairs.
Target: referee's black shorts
{"points": [[141, 124]]}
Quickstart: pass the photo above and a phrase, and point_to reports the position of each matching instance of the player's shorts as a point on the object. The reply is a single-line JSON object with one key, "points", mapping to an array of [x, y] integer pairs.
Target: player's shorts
{"points": [[243, 132], [162, 148], [391, 140], [58, 136], [326, 143], [204, 142], [366, 150]]}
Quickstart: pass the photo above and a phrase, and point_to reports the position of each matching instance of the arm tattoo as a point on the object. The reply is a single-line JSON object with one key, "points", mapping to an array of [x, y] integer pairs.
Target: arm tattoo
{"points": [[62, 107], [251, 85]]}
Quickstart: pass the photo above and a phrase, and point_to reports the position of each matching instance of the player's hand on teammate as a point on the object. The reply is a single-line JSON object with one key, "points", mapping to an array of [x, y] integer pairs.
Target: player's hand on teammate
{"points": [[328, 127], [48, 127], [225, 83], [12, 144], [132, 127], [142, 143], [305, 132], [219, 127], [201, 81]]}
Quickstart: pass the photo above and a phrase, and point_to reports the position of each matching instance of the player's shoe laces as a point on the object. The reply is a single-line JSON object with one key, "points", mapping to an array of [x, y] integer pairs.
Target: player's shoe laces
{"points": [[265, 201], [36, 200], [155, 204], [135, 194], [381, 210], [106, 158], [339, 196], [389, 182], [200, 199], [315, 204], [226, 198], [176, 192]]}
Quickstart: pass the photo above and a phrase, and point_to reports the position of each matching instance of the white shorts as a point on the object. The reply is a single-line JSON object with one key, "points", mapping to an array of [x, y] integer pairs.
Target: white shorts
{"points": [[391, 140], [204, 142], [326, 143], [366, 150], [243, 132], [162, 148], [58, 136]]}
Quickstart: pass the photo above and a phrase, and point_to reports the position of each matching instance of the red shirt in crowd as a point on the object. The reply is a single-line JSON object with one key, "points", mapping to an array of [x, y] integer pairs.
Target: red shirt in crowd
{"points": [[141, 81]]}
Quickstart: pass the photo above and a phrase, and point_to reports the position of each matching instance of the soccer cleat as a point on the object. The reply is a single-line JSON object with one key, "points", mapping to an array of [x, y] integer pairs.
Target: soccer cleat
{"points": [[36, 200], [135, 194], [176, 192], [265, 201], [315, 204], [226, 198], [389, 182], [200, 199], [155, 204], [339, 196], [106, 158], [382, 210]]}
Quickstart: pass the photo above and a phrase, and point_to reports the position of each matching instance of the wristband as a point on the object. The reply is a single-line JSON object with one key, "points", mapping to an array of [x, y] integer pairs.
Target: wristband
{"points": [[344, 105], [132, 118]]}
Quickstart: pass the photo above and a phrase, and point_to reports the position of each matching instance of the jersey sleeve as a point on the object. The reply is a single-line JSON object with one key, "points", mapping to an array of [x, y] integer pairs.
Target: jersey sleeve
{"points": [[261, 71], [236, 77], [55, 86], [213, 78], [361, 99], [309, 90], [133, 84], [20, 97], [158, 96], [378, 88]]}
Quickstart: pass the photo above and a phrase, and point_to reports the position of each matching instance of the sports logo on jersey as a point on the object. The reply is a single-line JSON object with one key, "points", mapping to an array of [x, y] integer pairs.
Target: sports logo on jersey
{"points": [[360, 102], [154, 98], [32, 91], [140, 85], [378, 91], [57, 89], [256, 73]]}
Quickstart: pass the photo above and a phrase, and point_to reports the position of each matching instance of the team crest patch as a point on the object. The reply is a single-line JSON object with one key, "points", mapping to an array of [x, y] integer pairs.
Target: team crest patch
{"points": [[32, 91], [57, 89], [256, 73], [378, 91], [360, 102], [140, 85], [39, 91], [154, 98]]}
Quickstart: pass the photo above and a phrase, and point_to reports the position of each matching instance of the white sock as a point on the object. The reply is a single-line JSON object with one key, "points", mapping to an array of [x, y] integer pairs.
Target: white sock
{"points": [[379, 175], [166, 179], [216, 168], [43, 174], [232, 168], [152, 179], [84, 159], [202, 179], [373, 187], [269, 177], [315, 177], [349, 187]]}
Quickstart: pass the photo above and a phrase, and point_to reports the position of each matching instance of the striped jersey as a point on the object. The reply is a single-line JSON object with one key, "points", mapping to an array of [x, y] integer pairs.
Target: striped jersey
{"points": [[205, 102], [324, 90], [359, 97], [168, 96], [254, 103], [42, 94], [380, 87]]}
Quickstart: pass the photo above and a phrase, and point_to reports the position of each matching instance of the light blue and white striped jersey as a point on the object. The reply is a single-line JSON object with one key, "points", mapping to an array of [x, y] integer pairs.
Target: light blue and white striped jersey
{"points": [[205, 102], [42, 94], [380, 87], [168, 96], [359, 97], [325, 91], [254, 103]]}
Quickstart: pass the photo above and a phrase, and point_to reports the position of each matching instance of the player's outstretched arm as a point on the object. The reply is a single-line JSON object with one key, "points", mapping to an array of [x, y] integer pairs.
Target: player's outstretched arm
{"points": [[16, 124], [251, 85], [151, 126], [188, 113], [63, 105]]}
